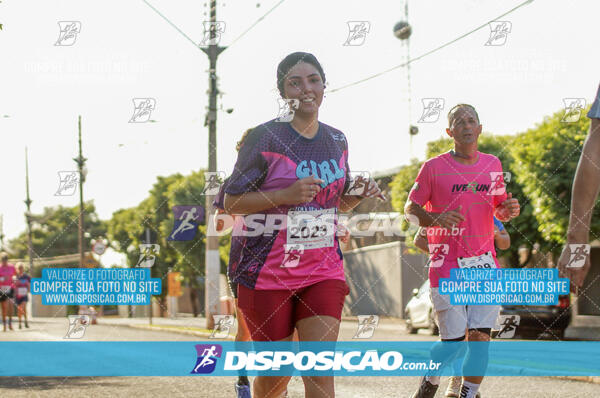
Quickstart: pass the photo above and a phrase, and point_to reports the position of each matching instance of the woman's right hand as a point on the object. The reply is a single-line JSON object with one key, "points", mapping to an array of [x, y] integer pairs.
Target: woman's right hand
{"points": [[219, 222], [302, 191]]}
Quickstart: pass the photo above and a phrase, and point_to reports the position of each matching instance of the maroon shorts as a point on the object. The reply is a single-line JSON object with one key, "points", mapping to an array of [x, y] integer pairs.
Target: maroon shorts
{"points": [[272, 314]]}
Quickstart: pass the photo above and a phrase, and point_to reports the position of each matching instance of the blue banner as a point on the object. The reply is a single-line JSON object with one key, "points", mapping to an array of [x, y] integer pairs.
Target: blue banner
{"points": [[345, 358], [512, 286], [96, 286]]}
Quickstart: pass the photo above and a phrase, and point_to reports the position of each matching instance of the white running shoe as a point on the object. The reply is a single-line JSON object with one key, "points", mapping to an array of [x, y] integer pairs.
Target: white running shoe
{"points": [[453, 390]]}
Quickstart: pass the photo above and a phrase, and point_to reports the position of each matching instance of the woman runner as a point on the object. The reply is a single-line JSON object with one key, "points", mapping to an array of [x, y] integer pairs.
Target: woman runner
{"points": [[7, 272], [22, 287], [291, 275], [242, 386]]}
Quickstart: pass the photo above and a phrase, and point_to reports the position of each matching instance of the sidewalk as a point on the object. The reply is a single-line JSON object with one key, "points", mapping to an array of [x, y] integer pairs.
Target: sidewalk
{"points": [[200, 322], [183, 323], [180, 320]]}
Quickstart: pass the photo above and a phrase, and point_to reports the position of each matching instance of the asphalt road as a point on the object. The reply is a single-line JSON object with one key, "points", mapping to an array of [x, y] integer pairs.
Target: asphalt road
{"points": [[193, 386]]}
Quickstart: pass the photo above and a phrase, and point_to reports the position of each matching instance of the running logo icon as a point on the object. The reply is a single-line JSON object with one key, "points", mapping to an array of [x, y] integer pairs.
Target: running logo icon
{"points": [[148, 253], [77, 326], [366, 326], [207, 358], [506, 325], [68, 33], [223, 324], [432, 109], [212, 182], [499, 180], [579, 253], [438, 252], [187, 219], [291, 257], [359, 183], [142, 108], [287, 109], [212, 32], [357, 33], [499, 33], [68, 181], [573, 109]]}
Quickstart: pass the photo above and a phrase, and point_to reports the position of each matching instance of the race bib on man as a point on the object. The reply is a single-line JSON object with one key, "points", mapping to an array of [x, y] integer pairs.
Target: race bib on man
{"points": [[486, 260], [313, 229], [22, 292], [5, 289]]}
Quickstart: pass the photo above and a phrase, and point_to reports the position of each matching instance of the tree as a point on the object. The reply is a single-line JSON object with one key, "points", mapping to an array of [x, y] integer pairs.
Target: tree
{"points": [[55, 232], [546, 158], [124, 229], [188, 257], [402, 183], [191, 258], [155, 212]]}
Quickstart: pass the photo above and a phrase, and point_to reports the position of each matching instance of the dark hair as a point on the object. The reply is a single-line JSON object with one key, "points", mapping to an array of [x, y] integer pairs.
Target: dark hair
{"points": [[239, 144], [293, 59], [456, 108]]}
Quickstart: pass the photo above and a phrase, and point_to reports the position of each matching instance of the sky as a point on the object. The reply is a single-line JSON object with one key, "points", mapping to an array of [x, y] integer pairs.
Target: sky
{"points": [[125, 50]]}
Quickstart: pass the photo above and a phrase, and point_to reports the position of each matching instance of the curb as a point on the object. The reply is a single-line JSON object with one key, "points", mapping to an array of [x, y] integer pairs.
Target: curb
{"points": [[181, 331], [354, 318]]}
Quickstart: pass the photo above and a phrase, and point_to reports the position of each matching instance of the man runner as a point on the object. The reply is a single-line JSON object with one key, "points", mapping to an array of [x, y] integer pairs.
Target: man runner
{"points": [[586, 186], [459, 189], [502, 241]]}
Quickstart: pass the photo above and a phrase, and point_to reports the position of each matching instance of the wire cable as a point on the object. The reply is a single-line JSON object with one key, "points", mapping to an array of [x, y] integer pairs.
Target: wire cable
{"points": [[428, 52], [255, 23]]}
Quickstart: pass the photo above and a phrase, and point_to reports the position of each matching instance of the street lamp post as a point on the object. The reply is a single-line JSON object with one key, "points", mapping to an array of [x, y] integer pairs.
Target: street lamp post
{"points": [[29, 233], [28, 217], [80, 160], [403, 31], [212, 243]]}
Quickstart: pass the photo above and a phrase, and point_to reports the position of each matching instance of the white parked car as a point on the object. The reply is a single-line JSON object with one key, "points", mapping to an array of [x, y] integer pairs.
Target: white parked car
{"points": [[419, 311]]}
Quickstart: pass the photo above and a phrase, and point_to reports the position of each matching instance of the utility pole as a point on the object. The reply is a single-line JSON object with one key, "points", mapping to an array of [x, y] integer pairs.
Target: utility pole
{"points": [[29, 233], [148, 240], [80, 164], [28, 217], [212, 243]]}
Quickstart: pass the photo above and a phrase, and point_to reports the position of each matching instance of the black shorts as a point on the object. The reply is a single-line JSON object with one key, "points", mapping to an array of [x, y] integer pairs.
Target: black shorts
{"points": [[234, 287], [20, 300], [8, 295]]}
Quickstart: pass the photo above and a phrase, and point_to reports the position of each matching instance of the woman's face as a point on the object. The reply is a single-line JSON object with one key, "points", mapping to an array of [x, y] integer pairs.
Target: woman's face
{"points": [[303, 82]]}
